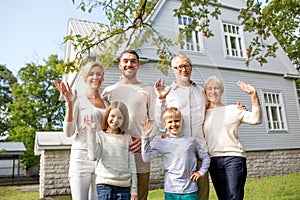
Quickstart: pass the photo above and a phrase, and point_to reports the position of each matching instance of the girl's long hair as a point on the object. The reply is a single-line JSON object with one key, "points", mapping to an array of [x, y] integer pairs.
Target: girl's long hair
{"points": [[123, 109]]}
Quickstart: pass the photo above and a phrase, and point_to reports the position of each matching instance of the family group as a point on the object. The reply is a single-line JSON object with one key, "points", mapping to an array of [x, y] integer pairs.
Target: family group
{"points": [[195, 134]]}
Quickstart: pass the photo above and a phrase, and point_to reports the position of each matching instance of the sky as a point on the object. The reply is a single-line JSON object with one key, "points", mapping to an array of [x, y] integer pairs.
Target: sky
{"points": [[32, 30]]}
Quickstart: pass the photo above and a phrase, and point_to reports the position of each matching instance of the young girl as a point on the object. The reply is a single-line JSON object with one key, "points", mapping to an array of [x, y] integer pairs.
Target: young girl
{"points": [[115, 169], [179, 155]]}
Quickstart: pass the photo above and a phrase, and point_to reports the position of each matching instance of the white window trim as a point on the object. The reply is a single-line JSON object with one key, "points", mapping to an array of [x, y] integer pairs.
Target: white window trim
{"points": [[194, 43], [298, 93], [283, 115], [242, 41]]}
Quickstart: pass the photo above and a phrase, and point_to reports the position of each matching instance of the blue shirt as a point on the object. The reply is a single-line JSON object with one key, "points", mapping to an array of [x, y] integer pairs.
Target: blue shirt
{"points": [[179, 160]]}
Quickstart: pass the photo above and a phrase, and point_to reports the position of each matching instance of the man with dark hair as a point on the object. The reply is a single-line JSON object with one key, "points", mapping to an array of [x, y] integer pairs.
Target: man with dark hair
{"points": [[140, 100]]}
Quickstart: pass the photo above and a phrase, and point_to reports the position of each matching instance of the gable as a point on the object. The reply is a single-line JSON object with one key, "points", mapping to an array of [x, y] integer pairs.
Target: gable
{"points": [[213, 55]]}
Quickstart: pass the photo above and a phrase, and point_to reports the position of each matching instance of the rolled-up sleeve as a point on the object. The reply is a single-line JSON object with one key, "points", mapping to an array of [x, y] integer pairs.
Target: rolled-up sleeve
{"points": [[253, 117]]}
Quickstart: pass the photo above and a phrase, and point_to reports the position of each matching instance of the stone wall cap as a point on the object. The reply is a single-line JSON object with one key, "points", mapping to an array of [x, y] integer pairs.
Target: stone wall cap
{"points": [[51, 141]]}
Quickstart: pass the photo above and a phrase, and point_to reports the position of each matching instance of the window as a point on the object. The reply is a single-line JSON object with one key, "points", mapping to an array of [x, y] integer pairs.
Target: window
{"points": [[234, 42], [274, 111], [193, 40]]}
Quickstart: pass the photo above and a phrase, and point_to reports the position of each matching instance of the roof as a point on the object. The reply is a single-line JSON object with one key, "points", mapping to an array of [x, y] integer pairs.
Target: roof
{"points": [[12, 148], [51, 141], [83, 27]]}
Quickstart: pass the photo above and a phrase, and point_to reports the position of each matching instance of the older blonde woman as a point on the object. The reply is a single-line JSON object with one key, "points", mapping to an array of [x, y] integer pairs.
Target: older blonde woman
{"points": [[228, 168], [82, 170]]}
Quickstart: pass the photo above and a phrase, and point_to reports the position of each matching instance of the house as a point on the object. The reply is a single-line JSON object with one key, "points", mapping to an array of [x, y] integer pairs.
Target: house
{"points": [[273, 147]]}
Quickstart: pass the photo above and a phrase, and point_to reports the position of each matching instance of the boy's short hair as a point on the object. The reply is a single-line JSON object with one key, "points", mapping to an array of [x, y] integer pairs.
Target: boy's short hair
{"points": [[172, 112]]}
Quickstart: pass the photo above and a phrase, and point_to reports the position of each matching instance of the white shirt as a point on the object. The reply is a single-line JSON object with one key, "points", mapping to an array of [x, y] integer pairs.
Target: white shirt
{"points": [[77, 128], [191, 101], [220, 128]]}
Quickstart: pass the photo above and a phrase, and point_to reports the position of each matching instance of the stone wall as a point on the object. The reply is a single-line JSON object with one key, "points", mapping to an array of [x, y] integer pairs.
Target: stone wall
{"points": [[157, 174], [273, 163], [54, 165]]}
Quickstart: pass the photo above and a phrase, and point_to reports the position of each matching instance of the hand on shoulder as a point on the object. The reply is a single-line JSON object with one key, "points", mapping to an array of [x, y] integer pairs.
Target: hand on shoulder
{"points": [[241, 106]]}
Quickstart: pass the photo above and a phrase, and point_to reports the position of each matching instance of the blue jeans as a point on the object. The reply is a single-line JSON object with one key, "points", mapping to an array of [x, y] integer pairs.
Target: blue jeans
{"points": [[110, 192], [228, 174]]}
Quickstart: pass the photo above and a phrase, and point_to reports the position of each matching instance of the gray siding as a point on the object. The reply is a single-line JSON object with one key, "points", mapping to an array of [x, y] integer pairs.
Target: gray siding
{"points": [[213, 62], [253, 137]]}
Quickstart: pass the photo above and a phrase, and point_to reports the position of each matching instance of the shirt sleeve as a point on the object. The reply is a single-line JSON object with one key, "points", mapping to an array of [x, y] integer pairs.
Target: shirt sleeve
{"points": [[204, 157], [160, 106], [69, 128], [94, 145], [133, 174], [149, 153], [151, 107], [253, 117], [106, 96]]}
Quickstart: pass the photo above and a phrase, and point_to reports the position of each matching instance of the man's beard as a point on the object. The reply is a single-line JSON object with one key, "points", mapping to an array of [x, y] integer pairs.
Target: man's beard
{"points": [[182, 78], [129, 75]]}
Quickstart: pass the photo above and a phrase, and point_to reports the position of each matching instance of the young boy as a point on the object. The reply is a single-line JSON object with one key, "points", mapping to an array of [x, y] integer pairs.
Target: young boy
{"points": [[179, 154]]}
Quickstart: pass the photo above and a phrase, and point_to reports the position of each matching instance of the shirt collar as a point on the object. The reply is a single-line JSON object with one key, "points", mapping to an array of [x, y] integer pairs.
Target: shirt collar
{"points": [[174, 85]]}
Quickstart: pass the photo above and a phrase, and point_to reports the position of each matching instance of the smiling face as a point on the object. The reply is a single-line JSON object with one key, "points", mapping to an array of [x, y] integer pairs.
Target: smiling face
{"points": [[173, 121], [129, 64], [95, 77], [115, 120], [173, 126], [182, 69], [214, 91]]}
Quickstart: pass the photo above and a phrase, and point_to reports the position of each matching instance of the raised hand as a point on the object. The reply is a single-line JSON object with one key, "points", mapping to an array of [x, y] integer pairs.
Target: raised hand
{"points": [[90, 123], [66, 91], [160, 90], [249, 89], [146, 128]]}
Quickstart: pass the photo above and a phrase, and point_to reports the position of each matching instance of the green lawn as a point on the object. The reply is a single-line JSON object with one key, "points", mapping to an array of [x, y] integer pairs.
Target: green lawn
{"points": [[271, 188]]}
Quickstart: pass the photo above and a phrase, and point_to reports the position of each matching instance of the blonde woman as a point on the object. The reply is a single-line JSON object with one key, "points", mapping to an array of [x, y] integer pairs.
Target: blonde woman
{"points": [[82, 170]]}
